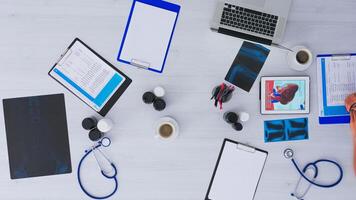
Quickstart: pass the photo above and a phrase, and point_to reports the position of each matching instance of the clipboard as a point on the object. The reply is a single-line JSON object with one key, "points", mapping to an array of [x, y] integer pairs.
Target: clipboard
{"points": [[148, 34], [81, 70], [342, 64], [237, 172]]}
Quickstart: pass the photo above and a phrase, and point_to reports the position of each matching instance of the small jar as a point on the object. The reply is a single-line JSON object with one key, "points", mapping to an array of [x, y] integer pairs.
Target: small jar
{"points": [[231, 117]]}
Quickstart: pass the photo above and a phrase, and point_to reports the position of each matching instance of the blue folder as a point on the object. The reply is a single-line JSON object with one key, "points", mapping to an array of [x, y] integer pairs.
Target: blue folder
{"points": [[331, 114], [149, 28]]}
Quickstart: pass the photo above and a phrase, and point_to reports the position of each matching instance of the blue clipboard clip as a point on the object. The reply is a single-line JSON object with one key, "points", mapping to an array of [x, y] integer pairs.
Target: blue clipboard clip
{"points": [[339, 57], [336, 57]]}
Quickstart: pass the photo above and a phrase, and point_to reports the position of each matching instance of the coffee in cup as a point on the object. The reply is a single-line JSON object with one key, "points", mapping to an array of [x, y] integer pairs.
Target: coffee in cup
{"points": [[300, 58], [166, 129]]}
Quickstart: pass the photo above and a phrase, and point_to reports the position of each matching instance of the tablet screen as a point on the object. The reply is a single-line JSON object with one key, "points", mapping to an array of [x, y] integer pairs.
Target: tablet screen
{"points": [[285, 95], [87, 75]]}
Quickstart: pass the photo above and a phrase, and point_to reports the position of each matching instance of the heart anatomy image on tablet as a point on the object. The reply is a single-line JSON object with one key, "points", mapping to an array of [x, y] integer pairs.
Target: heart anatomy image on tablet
{"points": [[283, 95]]}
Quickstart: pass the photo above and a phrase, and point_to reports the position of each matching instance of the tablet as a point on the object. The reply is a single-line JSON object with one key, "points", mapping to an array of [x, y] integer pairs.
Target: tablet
{"points": [[90, 77], [285, 95]]}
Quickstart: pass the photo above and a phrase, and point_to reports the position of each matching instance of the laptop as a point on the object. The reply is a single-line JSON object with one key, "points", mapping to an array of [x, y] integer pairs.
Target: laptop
{"points": [[261, 21]]}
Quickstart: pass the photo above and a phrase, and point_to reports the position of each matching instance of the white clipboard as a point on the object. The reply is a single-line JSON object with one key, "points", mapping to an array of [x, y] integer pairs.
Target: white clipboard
{"points": [[148, 34], [237, 172]]}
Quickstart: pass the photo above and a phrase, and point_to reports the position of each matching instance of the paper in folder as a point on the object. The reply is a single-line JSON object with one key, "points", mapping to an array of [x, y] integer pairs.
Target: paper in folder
{"points": [[336, 80], [148, 34], [237, 172]]}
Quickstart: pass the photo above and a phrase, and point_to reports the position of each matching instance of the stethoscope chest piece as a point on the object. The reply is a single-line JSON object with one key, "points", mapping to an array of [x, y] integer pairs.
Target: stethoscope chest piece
{"points": [[288, 153], [105, 142]]}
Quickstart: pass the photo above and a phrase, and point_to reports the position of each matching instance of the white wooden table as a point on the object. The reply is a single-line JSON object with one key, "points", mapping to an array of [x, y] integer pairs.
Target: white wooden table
{"points": [[33, 34]]}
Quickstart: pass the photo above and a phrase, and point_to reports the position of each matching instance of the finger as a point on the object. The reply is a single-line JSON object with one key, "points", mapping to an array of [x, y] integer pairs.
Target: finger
{"points": [[353, 117], [355, 158], [349, 100], [347, 105]]}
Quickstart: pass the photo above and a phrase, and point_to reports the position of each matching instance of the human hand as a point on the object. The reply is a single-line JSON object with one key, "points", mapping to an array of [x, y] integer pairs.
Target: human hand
{"points": [[353, 128], [350, 107], [350, 101], [353, 124]]}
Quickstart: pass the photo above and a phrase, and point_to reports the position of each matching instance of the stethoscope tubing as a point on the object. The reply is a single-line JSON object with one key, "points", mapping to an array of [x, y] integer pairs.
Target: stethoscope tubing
{"points": [[87, 152], [314, 164], [302, 195]]}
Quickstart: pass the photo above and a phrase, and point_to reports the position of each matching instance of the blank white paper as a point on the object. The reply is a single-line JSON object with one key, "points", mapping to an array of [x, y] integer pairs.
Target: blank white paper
{"points": [[148, 35], [238, 174]]}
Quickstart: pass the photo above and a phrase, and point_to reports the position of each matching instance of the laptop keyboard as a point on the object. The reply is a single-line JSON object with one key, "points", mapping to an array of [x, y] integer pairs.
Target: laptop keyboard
{"points": [[249, 20]]}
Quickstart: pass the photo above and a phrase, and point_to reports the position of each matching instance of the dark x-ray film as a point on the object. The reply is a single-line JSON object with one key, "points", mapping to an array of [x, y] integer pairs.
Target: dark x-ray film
{"points": [[37, 136], [247, 65]]}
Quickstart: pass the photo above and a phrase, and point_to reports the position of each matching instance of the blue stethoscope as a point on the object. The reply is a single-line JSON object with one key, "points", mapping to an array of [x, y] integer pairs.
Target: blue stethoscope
{"points": [[104, 142], [288, 153]]}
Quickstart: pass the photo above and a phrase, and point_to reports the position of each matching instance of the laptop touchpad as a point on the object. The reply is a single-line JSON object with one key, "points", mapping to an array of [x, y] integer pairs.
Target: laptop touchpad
{"points": [[258, 3]]}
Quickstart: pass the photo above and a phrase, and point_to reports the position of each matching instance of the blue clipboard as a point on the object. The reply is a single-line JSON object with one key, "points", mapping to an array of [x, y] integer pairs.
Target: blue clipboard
{"points": [[148, 34], [331, 114]]}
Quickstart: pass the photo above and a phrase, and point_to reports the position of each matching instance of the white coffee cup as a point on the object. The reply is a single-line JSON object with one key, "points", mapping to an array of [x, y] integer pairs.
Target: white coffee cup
{"points": [[300, 58], [167, 129]]}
